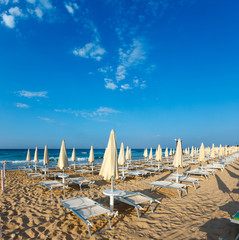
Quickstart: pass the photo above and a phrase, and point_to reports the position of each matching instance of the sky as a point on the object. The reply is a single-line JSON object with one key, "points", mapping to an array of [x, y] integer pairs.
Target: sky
{"points": [[151, 70]]}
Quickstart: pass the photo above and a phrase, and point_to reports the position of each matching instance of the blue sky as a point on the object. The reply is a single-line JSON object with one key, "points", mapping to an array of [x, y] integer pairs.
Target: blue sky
{"points": [[152, 70]]}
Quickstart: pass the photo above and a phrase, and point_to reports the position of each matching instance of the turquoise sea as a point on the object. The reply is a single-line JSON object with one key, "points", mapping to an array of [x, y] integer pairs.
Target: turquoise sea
{"points": [[17, 157]]}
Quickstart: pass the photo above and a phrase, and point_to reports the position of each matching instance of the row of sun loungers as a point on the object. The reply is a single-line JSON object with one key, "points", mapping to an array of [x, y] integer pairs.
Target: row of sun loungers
{"points": [[87, 209]]}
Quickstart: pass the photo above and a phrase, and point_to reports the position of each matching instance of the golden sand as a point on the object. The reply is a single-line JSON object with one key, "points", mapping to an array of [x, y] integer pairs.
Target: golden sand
{"points": [[29, 212]]}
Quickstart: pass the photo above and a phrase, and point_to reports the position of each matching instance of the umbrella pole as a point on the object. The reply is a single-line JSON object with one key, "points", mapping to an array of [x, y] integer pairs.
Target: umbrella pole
{"points": [[111, 196], [177, 175]]}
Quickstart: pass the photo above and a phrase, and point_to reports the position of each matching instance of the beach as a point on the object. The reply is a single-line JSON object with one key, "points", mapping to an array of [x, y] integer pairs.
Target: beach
{"points": [[29, 212]]}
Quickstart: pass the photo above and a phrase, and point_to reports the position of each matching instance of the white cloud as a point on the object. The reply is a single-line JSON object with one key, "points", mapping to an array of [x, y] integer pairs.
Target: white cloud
{"points": [[22, 105], [39, 12], [90, 50], [100, 112], [126, 86], [69, 110], [120, 73], [105, 69], [28, 94], [69, 9], [46, 119], [8, 20], [133, 56], [136, 82], [15, 11], [31, 1], [45, 3], [110, 84], [143, 85]]}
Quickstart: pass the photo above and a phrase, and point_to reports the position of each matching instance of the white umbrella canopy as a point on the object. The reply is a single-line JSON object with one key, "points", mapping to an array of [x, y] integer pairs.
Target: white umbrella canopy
{"points": [[91, 157], [127, 156], [63, 159], [73, 155], [151, 154], [159, 154], [130, 157], [170, 152], [166, 153], [36, 159], [201, 153], [46, 156], [28, 159], [121, 159], [145, 152], [212, 154], [192, 152], [109, 169], [178, 158]]}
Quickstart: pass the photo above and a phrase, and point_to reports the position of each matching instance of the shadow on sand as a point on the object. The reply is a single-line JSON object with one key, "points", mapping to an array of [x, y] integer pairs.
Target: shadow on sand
{"points": [[220, 228]]}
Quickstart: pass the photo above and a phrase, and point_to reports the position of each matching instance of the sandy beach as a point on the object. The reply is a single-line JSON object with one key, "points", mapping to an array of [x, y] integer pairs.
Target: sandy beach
{"points": [[29, 212]]}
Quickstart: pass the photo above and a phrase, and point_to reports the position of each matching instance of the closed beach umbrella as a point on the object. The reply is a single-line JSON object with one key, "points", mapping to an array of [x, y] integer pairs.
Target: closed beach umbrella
{"points": [[212, 154], [145, 153], [28, 159], [63, 159], [166, 153], [178, 158], [170, 152], [159, 154], [46, 157], [73, 157], [36, 158], [127, 156], [109, 169], [121, 159], [130, 157], [151, 154], [201, 153], [91, 157], [192, 152]]}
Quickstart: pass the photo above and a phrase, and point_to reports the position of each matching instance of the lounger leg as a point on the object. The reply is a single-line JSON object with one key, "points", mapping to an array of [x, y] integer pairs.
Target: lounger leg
{"points": [[64, 190], [109, 221], [179, 193], [137, 210], [51, 193], [151, 207], [89, 230]]}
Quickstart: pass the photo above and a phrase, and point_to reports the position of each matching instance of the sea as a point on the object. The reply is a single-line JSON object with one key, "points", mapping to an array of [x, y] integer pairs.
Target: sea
{"points": [[15, 158]]}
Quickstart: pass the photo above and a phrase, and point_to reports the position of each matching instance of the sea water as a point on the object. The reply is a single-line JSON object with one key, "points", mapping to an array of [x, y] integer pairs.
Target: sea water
{"points": [[15, 158]]}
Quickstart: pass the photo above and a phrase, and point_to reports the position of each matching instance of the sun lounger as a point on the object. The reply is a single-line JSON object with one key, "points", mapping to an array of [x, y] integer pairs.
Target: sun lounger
{"points": [[35, 176], [80, 181], [53, 185], [194, 181], [216, 166], [82, 171], [85, 209], [180, 187], [55, 174], [139, 173], [137, 200], [202, 173]]}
